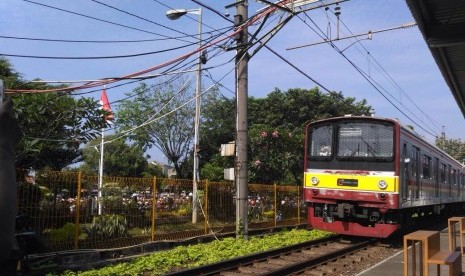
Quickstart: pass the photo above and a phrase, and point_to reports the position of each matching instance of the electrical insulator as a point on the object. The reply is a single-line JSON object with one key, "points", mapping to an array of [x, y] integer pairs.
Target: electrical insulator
{"points": [[337, 11]]}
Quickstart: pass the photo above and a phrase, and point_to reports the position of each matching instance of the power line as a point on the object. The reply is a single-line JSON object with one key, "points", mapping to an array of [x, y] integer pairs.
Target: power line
{"points": [[140, 17], [360, 71], [97, 19], [99, 41], [99, 57]]}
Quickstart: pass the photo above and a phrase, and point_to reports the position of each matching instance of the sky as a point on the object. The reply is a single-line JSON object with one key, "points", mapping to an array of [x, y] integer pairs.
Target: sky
{"points": [[405, 80]]}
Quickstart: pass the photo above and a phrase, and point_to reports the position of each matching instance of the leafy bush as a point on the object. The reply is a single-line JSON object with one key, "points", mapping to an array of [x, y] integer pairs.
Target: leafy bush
{"points": [[107, 227], [181, 257], [268, 215], [65, 233], [112, 197]]}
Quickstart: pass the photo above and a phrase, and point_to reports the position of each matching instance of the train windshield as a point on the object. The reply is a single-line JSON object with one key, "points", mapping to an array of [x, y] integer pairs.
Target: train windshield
{"points": [[321, 141], [351, 144], [365, 140]]}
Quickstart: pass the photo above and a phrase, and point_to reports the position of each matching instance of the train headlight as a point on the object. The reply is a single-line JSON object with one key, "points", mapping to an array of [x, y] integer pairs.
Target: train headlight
{"points": [[382, 184], [314, 180]]}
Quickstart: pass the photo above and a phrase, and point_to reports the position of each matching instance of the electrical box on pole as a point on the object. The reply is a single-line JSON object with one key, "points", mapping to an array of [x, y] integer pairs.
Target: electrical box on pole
{"points": [[228, 149]]}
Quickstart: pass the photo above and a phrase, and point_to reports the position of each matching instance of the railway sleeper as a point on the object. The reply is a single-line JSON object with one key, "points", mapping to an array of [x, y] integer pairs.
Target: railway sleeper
{"points": [[266, 265], [356, 258], [279, 261], [292, 258], [250, 270], [230, 273], [311, 252], [315, 272], [329, 268]]}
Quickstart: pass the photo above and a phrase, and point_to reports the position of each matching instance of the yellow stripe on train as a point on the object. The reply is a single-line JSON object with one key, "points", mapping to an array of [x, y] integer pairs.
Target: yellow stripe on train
{"points": [[376, 183]]}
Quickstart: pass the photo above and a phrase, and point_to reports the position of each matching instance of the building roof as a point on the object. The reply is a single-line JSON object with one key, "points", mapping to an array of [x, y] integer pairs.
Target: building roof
{"points": [[442, 23]]}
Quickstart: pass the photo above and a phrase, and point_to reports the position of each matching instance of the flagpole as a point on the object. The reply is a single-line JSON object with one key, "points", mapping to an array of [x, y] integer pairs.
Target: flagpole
{"points": [[105, 105], [100, 174]]}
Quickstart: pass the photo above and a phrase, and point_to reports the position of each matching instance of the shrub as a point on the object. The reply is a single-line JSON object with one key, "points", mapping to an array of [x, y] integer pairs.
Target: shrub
{"points": [[65, 233], [107, 227]]}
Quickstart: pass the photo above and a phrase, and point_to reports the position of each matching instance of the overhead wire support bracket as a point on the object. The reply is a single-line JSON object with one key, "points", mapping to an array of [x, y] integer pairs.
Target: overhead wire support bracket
{"points": [[369, 35], [277, 6]]}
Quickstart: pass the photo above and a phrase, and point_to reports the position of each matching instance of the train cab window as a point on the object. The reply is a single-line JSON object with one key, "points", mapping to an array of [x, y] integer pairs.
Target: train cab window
{"points": [[361, 140], [321, 141]]}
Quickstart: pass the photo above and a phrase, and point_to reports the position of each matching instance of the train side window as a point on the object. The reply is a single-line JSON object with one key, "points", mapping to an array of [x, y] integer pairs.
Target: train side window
{"points": [[442, 173], [448, 175], [415, 160], [426, 167]]}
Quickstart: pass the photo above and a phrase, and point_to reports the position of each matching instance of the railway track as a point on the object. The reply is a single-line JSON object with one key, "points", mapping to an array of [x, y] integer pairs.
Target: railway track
{"points": [[323, 257]]}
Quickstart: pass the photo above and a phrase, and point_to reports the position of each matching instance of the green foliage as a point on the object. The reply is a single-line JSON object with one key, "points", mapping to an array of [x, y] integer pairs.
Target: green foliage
{"points": [[107, 227], [68, 122], [120, 159], [112, 197], [196, 255], [65, 233], [276, 155], [272, 158], [269, 214], [454, 147]]}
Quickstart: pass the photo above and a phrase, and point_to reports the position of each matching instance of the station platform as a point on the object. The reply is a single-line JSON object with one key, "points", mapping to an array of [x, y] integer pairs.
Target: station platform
{"points": [[394, 266]]}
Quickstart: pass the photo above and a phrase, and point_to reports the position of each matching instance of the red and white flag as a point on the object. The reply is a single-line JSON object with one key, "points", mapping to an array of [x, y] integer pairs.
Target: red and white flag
{"points": [[106, 106]]}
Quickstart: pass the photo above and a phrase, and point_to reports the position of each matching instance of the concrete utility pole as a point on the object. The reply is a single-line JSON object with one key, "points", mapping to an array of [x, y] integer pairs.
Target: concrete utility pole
{"points": [[242, 59]]}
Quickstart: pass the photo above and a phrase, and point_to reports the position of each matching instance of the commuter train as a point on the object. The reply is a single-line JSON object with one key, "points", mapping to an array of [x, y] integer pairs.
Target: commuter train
{"points": [[369, 176]]}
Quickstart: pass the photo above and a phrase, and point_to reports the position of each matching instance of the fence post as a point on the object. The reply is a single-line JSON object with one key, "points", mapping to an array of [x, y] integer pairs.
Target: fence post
{"points": [[78, 211], [298, 205], [154, 205], [275, 205], [205, 209]]}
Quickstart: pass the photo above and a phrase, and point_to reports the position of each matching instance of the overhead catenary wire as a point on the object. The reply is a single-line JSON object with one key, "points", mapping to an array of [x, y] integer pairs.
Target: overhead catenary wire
{"points": [[390, 78], [360, 71]]}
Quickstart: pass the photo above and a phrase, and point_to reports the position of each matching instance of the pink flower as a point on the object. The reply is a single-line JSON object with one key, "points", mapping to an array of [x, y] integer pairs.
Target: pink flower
{"points": [[275, 134], [263, 134], [257, 162], [290, 134]]}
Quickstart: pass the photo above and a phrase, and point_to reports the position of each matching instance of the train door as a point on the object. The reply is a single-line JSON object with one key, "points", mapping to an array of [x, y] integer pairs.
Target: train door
{"points": [[405, 173], [449, 180], [436, 177], [416, 185]]}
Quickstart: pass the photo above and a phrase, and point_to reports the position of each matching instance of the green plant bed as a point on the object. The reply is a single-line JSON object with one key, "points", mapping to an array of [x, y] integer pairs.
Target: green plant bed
{"points": [[201, 254]]}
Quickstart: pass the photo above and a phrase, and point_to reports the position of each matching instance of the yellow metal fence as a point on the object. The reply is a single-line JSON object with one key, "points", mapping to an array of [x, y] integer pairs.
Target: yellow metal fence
{"points": [[67, 212]]}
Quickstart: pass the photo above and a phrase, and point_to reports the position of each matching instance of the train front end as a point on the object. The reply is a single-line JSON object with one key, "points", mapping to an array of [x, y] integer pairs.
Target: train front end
{"points": [[350, 179]]}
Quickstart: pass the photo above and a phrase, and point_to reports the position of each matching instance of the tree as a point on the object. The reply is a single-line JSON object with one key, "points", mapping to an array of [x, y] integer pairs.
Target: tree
{"points": [[275, 155], [454, 147], [162, 116], [119, 159], [54, 125], [276, 130]]}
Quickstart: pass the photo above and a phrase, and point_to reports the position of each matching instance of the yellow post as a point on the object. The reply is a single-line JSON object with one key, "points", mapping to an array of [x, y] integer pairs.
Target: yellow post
{"points": [[154, 205], [275, 205], [298, 204], [78, 210], [205, 209]]}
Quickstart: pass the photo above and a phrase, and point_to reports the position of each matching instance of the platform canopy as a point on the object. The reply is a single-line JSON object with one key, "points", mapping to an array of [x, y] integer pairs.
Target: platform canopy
{"points": [[442, 23]]}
